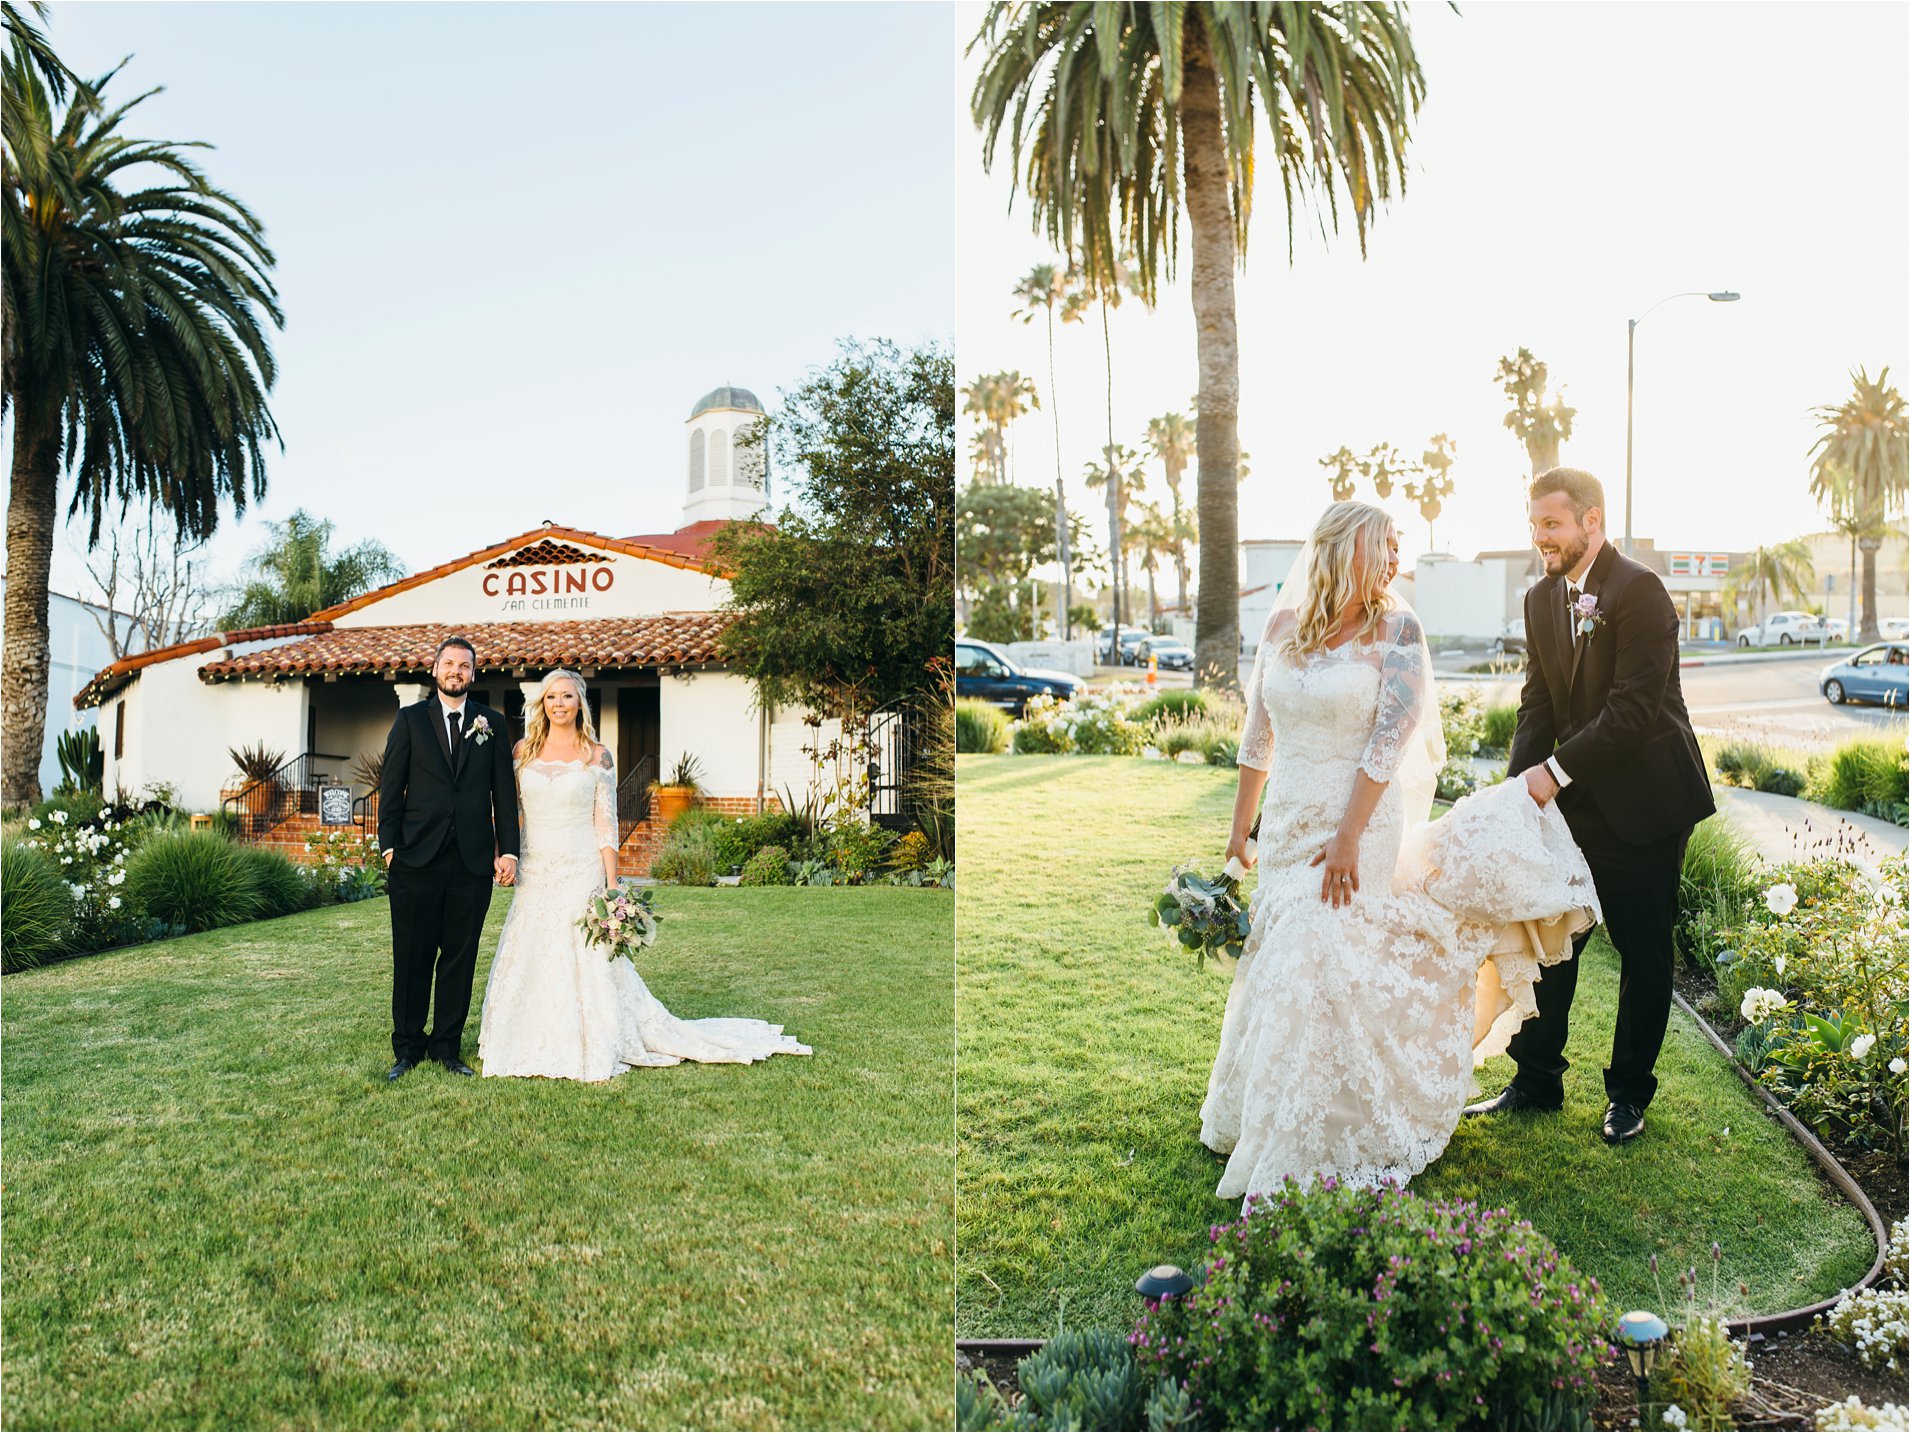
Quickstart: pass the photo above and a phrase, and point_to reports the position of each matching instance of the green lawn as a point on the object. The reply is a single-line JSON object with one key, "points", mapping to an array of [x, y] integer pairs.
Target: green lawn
{"points": [[218, 1214], [1085, 1043]]}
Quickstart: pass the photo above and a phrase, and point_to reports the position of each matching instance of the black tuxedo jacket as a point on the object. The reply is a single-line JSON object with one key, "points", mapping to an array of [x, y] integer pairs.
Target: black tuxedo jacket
{"points": [[430, 795], [1610, 706]]}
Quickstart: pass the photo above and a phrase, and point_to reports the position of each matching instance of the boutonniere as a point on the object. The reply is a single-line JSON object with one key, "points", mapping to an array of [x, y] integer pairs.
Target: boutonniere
{"points": [[479, 730], [1586, 608]]}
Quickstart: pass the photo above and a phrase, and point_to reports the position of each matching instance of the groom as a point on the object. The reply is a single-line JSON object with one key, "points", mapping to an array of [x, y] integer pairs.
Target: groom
{"points": [[447, 824], [1603, 731]]}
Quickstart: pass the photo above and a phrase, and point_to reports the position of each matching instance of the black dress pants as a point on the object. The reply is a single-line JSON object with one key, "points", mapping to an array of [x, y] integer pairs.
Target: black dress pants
{"points": [[1638, 889], [437, 915]]}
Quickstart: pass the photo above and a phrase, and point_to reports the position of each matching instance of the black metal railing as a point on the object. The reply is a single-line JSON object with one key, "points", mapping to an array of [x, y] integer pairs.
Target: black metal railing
{"points": [[633, 797], [290, 790], [895, 742]]}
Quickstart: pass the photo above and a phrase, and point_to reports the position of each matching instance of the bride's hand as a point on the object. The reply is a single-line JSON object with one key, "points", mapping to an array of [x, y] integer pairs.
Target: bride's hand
{"points": [[1341, 878], [1240, 849]]}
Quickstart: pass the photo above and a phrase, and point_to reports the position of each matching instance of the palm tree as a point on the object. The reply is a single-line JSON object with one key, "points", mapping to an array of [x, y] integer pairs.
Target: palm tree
{"points": [[1151, 534], [1120, 476], [1040, 291], [1342, 468], [998, 399], [1859, 465], [1171, 437], [1541, 426], [1123, 117], [1431, 493], [296, 574], [1382, 466], [1781, 571], [134, 353]]}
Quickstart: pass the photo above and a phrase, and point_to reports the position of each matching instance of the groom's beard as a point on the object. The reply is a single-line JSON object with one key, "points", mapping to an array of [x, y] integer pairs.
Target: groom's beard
{"points": [[1564, 558]]}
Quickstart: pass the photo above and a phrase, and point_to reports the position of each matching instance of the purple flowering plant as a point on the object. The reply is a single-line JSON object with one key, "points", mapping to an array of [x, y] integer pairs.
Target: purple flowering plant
{"points": [[1344, 1307]]}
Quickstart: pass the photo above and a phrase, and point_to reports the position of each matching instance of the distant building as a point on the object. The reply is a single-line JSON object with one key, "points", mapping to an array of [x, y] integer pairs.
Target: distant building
{"points": [[1833, 580], [77, 647]]}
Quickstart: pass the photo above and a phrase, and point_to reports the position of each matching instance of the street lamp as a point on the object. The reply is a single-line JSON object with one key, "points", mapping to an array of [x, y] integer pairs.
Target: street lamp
{"points": [[1722, 296], [1641, 1334]]}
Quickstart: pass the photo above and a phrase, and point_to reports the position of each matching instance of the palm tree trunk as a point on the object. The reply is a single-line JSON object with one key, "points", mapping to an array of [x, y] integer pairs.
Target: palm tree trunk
{"points": [[1180, 547], [1153, 602], [32, 517], [1118, 559], [1868, 547], [1064, 597], [1217, 424]]}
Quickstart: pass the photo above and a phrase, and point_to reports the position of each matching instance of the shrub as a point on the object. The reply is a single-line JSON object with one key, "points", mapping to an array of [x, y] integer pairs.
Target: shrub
{"points": [[704, 828], [1782, 781], [281, 888], [1868, 775], [1741, 763], [770, 828], [1702, 1370], [911, 853], [1720, 871], [37, 911], [688, 856], [344, 866], [1177, 704], [1080, 1379], [855, 849], [1497, 724], [980, 728], [195, 880], [768, 867], [75, 808], [1380, 1309]]}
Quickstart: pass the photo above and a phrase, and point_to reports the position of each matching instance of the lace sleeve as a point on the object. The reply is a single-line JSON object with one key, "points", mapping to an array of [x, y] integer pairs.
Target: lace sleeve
{"points": [[604, 808], [1256, 737], [1404, 674]]}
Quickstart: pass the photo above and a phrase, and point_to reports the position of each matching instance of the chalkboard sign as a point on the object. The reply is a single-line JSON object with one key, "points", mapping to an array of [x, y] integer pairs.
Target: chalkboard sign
{"points": [[334, 805]]}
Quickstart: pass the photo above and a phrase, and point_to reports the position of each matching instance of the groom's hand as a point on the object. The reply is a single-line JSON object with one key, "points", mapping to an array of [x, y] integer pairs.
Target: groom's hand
{"points": [[504, 870], [1540, 785]]}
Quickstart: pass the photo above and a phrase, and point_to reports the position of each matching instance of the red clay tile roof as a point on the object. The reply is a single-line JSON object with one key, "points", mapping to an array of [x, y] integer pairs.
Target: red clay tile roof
{"points": [[692, 541], [675, 639], [110, 679], [547, 554]]}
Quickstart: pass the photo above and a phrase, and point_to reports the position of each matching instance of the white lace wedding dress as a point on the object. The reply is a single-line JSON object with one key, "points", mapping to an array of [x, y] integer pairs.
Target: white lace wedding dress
{"points": [[558, 1007], [1350, 1035]]}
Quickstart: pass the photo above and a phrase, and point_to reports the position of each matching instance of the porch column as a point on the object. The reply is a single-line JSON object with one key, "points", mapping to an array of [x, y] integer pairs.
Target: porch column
{"points": [[411, 693]]}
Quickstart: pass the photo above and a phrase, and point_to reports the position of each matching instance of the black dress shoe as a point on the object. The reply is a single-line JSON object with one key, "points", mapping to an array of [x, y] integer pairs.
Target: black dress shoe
{"points": [[400, 1070], [457, 1066], [1506, 1101], [1622, 1122]]}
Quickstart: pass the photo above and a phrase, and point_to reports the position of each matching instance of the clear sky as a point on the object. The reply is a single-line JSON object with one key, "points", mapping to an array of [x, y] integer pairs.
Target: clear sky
{"points": [[517, 241], [1572, 164]]}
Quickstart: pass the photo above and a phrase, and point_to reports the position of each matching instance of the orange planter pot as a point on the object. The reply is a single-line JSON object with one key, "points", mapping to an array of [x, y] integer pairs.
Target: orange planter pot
{"points": [[672, 801]]}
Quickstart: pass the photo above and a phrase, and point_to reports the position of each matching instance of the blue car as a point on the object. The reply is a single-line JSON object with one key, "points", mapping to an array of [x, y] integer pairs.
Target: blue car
{"points": [[985, 672], [1876, 674]]}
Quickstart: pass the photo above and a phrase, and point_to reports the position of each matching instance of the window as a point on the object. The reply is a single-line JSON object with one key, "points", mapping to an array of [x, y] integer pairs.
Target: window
{"points": [[977, 662], [1872, 658], [696, 460], [719, 459], [119, 730]]}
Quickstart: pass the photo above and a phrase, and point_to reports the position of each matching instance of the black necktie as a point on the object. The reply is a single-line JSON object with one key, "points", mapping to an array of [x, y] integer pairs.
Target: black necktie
{"points": [[455, 752]]}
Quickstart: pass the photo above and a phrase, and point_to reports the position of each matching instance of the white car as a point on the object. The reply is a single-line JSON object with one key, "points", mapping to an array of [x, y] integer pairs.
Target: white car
{"points": [[1894, 629], [1783, 629]]}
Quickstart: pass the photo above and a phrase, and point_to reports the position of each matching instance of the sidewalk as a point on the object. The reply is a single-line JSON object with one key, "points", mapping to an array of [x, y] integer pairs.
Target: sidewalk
{"points": [[1783, 828]]}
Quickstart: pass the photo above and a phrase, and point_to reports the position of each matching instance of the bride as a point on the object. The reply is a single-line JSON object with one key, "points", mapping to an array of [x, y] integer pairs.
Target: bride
{"points": [[1388, 955], [555, 1005]]}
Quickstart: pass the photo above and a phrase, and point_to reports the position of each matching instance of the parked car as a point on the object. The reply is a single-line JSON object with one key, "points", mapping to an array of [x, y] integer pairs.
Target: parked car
{"points": [[984, 671], [1783, 629], [1836, 629], [1511, 638], [1172, 654], [1130, 642], [1879, 673], [1894, 629]]}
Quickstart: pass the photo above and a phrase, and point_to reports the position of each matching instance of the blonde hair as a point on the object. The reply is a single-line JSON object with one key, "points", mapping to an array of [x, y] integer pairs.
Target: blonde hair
{"points": [[537, 721], [1347, 571]]}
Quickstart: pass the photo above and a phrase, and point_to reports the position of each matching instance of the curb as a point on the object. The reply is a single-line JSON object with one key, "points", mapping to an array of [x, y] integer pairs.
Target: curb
{"points": [[1752, 1329]]}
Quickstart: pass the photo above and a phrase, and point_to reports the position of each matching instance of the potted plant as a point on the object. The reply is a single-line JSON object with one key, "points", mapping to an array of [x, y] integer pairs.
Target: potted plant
{"points": [[671, 798], [257, 779]]}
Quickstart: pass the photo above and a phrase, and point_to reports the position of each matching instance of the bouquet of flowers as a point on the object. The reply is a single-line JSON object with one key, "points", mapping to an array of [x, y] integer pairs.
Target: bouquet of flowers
{"points": [[1203, 913], [621, 919]]}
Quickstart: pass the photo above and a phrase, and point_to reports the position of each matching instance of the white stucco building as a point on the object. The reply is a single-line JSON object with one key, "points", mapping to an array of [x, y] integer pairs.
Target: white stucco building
{"points": [[639, 617], [77, 647]]}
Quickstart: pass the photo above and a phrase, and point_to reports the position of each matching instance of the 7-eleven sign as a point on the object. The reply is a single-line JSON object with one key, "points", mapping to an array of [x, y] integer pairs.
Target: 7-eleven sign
{"points": [[1697, 564]]}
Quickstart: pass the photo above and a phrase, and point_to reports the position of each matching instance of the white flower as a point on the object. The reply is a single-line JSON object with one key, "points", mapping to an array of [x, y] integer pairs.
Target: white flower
{"points": [[1780, 965], [1781, 899], [113, 904], [118, 878], [1897, 1066], [33, 824], [1675, 1417], [1760, 1004], [59, 818], [1860, 1047], [77, 890], [104, 813]]}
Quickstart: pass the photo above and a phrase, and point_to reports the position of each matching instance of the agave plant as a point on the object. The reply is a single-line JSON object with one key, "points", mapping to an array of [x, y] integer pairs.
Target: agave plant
{"points": [[257, 762]]}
